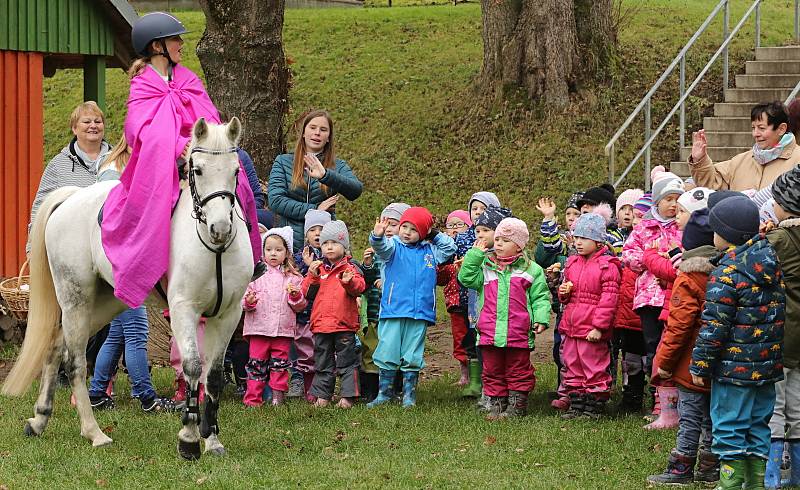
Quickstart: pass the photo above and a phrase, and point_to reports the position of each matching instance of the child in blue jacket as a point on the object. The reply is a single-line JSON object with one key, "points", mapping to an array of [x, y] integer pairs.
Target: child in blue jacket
{"points": [[408, 302]]}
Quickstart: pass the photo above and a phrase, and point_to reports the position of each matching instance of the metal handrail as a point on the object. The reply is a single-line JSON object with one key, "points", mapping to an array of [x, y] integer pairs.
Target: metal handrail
{"points": [[649, 140], [793, 94], [680, 58]]}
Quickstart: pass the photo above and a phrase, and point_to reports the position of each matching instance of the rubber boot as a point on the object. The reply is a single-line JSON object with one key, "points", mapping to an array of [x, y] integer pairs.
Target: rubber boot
{"points": [[707, 467], [772, 476], [794, 472], [754, 471], [594, 406], [497, 406], [633, 394], [680, 470], [731, 474], [385, 391], [464, 379], [410, 380], [369, 386], [278, 397], [473, 389], [656, 411], [517, 404], [576, 406], [668, 418]]}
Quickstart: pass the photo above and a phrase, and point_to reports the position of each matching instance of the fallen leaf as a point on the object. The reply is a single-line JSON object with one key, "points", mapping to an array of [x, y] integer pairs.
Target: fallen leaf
{"points": [[656, 448], [519, 450], [355, 424], [490, 440], [538, 465], [101, 483], [286, 443], [108, 429], [202, 480]]}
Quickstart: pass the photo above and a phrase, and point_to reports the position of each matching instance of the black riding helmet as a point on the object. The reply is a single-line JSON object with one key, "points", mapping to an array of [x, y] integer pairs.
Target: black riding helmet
{"points": [[155, 26]]}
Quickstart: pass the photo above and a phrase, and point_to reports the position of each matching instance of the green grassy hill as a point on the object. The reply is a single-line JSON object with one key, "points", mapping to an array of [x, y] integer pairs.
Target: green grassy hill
{"points": [[399, 83]]}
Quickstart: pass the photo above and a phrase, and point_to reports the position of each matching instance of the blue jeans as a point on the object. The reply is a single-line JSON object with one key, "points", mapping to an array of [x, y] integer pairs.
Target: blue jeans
{"points": [[695, 422], [129, 332], [740, 417]]}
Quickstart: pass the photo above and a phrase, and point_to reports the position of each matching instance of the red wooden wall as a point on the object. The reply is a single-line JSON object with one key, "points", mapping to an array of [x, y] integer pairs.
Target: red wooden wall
{"points": [[21, 151]]}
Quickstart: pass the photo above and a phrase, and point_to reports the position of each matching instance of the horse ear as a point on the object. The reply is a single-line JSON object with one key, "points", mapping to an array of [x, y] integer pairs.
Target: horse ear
{"points": [[200, 129], [234, 130]]}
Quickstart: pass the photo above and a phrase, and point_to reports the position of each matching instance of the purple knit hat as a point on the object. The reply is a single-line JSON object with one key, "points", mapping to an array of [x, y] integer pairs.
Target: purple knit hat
{"points": [[644, 203]]}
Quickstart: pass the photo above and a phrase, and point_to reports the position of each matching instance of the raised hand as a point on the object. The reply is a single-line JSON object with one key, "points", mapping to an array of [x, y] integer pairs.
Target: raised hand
{"points": [[380, 226], [699, 145], [313, 166], [547, 207], [369, 257], [313, 268], [308, 256], [346, 277], [481, 245], [328, 203]]}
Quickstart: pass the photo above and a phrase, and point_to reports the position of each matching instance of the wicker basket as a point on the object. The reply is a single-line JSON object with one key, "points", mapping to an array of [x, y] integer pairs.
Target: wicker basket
{"points": [[16, 295]]}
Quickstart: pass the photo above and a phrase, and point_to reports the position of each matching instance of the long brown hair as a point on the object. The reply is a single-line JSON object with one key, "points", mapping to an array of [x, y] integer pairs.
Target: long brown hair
{"points": [[328, 160]]}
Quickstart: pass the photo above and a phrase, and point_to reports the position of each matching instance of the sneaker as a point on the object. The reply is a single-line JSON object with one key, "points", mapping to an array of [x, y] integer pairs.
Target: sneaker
{"points": [[162, 405], [102, 402], [484, 403], [296, 388]]}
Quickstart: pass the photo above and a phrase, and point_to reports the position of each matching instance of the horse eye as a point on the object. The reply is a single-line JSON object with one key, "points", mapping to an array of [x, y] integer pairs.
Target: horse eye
{"points": [[198, 171]]}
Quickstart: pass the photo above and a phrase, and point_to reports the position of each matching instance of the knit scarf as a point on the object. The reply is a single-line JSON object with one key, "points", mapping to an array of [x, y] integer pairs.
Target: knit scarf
{"points": [[503, 262], [763, 157]]}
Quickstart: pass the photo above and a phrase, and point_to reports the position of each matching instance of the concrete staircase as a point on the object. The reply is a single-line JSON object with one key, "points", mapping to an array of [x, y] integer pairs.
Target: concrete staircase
{"points": [[772, 76]]}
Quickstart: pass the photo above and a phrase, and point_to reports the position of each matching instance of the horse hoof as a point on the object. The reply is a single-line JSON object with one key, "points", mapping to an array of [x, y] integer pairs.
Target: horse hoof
{"points": [[189, 450], [29, 430], [102, 441], [217, 451]]}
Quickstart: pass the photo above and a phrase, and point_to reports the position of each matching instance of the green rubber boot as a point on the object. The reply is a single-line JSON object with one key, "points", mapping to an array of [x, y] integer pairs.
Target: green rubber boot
{"points": [[473, 389], [731, 474], [754, 471]]}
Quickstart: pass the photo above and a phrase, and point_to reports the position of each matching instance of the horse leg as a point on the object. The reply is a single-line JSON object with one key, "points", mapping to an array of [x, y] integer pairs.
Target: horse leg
{"points": [[77, 329], [217, 335], [184, 323], [43, 409]]}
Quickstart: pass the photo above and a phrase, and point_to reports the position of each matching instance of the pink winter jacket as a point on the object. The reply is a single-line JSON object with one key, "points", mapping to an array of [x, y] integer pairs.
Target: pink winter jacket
{"points": [[665, 271], [649, 290], [274, 314], [592, 303]]}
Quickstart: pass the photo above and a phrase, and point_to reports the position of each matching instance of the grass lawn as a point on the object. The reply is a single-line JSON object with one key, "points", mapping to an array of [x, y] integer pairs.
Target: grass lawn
{"points": [[443, 443]]}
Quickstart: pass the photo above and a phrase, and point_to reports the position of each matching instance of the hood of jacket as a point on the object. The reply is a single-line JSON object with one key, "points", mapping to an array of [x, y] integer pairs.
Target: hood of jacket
{"points": [[699, 259], [757, 258]]}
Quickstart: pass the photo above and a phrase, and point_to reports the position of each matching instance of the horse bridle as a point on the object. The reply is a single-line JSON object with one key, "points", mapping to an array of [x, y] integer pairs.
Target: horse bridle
{"points": [[199, 215]]}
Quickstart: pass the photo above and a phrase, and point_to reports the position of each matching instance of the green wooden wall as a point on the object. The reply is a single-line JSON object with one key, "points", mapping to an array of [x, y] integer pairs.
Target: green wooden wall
{"points": [[55, 26]]}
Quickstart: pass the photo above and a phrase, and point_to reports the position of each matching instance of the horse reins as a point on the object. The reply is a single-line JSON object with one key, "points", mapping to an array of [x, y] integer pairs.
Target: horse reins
{"points": [[200, 217]]}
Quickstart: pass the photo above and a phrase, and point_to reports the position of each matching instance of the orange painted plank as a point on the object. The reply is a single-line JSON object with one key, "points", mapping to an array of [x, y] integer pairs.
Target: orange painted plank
{"points": [[10, 167], [36, 111], [23, 154]]}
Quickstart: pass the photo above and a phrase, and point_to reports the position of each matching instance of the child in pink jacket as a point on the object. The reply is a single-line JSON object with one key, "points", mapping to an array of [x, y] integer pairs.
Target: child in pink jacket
{"points": [[657, 233], [271, 304], [590, 294]]}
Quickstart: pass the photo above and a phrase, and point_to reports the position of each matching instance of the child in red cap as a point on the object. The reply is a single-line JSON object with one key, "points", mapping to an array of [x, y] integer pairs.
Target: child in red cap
{"points": [[408, 304]]}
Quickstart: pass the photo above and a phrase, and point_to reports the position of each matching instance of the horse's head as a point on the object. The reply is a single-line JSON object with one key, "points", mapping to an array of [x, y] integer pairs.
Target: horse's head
{"points": [[213, 171]]}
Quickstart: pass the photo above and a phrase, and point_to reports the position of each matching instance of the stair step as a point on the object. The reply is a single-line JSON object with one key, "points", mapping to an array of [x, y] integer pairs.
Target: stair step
{"points": [[681, 169], [717, 153], [733, 109], [725, 138], [767, 81], [736, 124], [756, 95], [779, 53], [771, 67]]}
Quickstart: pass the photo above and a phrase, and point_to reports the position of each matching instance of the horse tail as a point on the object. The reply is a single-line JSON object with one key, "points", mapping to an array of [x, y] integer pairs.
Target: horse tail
{"points": [[44, 313]]}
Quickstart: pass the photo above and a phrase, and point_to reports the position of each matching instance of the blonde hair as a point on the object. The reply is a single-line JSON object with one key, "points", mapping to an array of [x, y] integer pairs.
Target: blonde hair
{"points": [[88, 107], [328, 159], [138, 66], [119, 156]]}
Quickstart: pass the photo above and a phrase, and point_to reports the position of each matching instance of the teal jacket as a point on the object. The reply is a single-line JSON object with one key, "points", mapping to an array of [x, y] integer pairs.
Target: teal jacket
{"points": [[291, 203]]}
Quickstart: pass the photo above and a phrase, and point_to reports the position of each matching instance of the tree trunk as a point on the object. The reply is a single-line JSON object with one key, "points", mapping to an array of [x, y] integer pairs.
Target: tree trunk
{"points": [[540, 46], [529, 48], [596, 34], [241, 52]]}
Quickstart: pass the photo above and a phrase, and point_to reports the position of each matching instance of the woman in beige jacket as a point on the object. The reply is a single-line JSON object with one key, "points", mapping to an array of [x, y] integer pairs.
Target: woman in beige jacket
{"points": [[775, 151]]}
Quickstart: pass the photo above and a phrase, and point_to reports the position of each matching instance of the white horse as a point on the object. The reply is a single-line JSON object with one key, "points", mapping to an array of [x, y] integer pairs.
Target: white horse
{"points": [[72, 294]]}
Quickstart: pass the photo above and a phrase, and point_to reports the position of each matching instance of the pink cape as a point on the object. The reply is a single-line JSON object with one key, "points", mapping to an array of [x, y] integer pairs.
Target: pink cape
{"points": [[137, 214]]}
